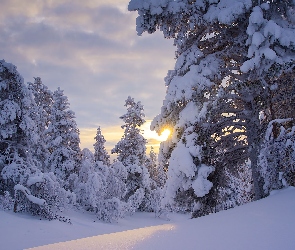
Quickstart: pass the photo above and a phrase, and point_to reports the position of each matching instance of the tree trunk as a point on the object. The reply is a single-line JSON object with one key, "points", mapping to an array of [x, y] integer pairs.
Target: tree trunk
{"points": [[254, 139]]}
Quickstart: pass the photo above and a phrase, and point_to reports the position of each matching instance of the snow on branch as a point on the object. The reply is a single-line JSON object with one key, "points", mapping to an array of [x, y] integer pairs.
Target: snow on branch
{"points": [[270, 126], [28, 194]]}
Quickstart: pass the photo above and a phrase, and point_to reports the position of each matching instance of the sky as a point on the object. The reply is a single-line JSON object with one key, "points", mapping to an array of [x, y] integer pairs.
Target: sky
{"points": [[91, 50]]}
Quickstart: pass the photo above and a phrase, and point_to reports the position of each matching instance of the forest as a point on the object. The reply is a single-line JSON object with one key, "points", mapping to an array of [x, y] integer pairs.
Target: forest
{"points": [[229, 104]]}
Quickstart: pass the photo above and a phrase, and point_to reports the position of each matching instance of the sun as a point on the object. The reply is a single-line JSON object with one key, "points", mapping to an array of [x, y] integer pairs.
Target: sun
{"points": [[165, 134], [148, 134]]}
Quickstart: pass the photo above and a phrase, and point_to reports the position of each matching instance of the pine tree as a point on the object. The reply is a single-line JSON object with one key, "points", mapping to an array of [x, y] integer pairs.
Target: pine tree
{"points": [[63, 141], [22, 184], [192, 91], [277, 155], [43, 98], [131, 153], [270, 64], [270, 59], [100, 153], [214, 96], [100, 188], [18, 131], [131, 148], [163, 162], [238, 189], [89, 186], [151, 165]]}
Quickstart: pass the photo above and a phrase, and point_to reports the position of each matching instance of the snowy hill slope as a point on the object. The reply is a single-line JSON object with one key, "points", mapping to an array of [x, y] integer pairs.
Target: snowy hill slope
{"points": [[266, 224]]}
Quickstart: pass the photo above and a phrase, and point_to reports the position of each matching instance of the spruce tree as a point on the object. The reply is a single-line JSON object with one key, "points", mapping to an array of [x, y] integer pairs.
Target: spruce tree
{"points": [[151, 165], [131, 153], [100, 153], [18, 131], [63, 141], [270, 67], [193, 87], [100, 188], [21, 183], [131, 148], [215, 95], [43, 98]]}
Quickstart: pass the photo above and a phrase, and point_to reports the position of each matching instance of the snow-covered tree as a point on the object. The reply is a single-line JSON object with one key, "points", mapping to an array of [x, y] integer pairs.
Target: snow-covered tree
{"points": [[18, 131], [151, 201], [271, 57], [90, 184], [131, 148], [277, 155], [42, 195], [238, 189], [100, 188], [214, 96], [131, 152], [63, 141], [192, 88], [112, 206], [116, 179], [21, 182], [151, 164], [43, 98], [163, 162], [100, 153]]}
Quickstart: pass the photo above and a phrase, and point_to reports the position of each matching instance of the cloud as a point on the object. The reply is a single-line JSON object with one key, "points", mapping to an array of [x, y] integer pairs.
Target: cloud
{"points": [[91, 50]]}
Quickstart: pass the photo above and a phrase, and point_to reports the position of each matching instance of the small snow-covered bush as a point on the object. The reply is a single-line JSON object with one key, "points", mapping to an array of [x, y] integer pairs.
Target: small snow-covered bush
{"points": [[151, 201], [41, 195], [238, 190], [277, 156], [110, 210], [16, 172], [134, 201], [6, 201], [26, 202], [46, 186]]}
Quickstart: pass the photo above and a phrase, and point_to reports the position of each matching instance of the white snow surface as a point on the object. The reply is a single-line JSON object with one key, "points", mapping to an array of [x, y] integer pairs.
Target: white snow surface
{"points": [[267, 224]]}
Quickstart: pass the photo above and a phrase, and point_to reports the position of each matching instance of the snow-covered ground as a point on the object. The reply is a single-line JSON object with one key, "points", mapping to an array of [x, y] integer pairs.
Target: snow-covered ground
{"points": [[265, 225]]}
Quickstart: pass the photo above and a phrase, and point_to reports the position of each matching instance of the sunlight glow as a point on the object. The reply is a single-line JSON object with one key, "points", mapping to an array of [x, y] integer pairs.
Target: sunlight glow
{"points": [[113, 134], [165, 134], [148, 134]]}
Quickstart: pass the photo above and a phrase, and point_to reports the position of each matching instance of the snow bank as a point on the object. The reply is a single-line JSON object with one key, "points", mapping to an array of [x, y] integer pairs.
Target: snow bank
{"points": [[265, 224]]}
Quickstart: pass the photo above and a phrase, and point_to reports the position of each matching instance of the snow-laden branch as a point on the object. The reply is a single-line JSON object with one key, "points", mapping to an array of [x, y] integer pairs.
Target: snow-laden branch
{"points": [[28, 194]]}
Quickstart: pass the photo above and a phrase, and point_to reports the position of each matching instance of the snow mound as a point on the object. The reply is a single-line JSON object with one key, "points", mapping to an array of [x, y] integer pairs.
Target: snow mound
{"points": [[265, 224]]}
